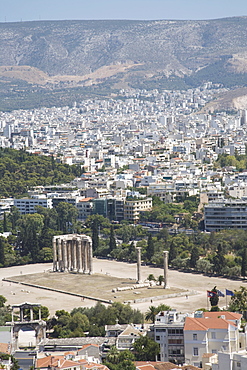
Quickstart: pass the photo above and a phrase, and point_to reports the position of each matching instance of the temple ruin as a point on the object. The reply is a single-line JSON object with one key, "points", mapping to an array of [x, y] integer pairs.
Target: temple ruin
{"points": [[72, 253]]}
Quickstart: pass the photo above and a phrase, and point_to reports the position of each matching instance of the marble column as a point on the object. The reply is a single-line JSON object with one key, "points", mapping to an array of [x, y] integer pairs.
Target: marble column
{"points": [[21, 314], [65, 256], [84, 256], [69, 254], [80, 248], [90, 256], [31, 314], [138, 249], [60, 262], [165, 269], [54, 244], [74, 243]]}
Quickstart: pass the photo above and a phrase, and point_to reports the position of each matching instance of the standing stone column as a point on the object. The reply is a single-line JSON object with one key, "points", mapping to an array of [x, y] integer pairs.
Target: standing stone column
{"points": [[31, 313], [65, 256], [69, 254], [84, 256], [90, 256], [71, 242], [21, 315], [54, 244], [60, 268], [74, 241], [165, 269], [138, 249], [80, 247]]}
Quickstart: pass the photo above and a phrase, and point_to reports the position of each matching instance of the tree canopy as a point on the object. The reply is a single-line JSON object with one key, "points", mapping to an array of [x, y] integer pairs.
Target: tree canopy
{"points": [[20, 170]]}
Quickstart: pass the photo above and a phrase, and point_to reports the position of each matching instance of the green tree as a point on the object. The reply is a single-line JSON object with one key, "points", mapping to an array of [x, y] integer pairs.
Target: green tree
{"points": [[243, 264], [2, 300], [5, 224], [151, 313], [161, 279], [44, 311], [14, 217], [151, 277], [173, 252], [150, 248], [204, 265], [113, 355], [146, 349], [95, 234], [120, 360], [2, 253], [219, 259], [30, 230], [112, 242], [194, 257], [238, 302], [67, 216]]}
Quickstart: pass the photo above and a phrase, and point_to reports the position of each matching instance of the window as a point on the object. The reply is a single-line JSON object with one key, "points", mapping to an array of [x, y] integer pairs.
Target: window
{"points": [[213, 335], [195, 351], [157, 337], [194, 336], [214, 350]]}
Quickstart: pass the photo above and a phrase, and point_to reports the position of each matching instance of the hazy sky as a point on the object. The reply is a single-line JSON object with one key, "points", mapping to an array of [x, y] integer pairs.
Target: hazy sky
{"points": [[28, 10]]}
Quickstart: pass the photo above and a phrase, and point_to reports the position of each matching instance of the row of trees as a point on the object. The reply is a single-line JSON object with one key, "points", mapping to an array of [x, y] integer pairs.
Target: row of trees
{"points": [[92, 320], [31, 234], [223, 252]]}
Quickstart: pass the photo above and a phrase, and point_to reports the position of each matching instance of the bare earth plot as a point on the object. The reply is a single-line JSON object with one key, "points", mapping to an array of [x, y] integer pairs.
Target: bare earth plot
{"points": [[95, 286]]}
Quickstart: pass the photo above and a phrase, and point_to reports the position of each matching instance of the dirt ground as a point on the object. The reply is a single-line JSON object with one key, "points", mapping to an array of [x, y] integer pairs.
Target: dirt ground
{"points": [[17, 293], [96, 285]]}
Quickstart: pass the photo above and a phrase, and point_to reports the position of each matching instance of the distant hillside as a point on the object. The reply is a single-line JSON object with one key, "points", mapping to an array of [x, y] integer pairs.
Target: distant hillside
{"points": [[47, 57]]}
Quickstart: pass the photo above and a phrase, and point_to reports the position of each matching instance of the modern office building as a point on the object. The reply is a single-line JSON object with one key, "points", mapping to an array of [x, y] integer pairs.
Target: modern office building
{"points": [[226, 214]]}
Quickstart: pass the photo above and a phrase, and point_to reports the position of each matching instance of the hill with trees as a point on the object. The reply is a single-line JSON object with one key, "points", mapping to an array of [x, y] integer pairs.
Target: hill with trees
{"points": [[20, 170]]}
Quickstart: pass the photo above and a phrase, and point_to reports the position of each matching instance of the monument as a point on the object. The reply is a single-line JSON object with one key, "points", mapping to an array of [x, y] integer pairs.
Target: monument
{"points": [[27, 331], [138, 249], [165, 269], [73, 253]]}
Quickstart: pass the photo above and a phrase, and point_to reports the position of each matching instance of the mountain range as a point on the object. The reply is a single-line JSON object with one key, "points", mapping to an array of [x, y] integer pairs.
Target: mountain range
{"points": [[45, 58]]}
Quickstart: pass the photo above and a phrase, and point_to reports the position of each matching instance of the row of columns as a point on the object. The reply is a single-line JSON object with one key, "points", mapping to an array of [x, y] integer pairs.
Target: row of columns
{"points": [[165, 253], [23, 307], [72, 252]]}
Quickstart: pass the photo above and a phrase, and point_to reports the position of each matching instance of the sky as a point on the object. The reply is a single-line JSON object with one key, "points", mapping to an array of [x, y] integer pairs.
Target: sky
{"points": [[33, 10]]}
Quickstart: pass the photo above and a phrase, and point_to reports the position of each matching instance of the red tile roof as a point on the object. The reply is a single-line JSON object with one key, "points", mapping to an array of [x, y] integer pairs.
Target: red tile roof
{"points": [[227, 315], [192, 323]]}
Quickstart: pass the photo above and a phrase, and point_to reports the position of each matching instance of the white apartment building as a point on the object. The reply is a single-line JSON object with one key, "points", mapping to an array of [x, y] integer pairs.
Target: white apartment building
{"points": [[169, 333], [208, 335], [226, 214], [28, 205], [133, 207]]}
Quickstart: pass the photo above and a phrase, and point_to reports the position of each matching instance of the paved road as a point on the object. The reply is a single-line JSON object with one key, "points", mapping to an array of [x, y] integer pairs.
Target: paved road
{"points": [[16, 293]]}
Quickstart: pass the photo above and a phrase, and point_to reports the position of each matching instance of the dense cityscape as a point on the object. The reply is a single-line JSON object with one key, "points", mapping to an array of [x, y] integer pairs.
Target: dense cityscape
{"points": [[123, 185], [130, 155]]}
